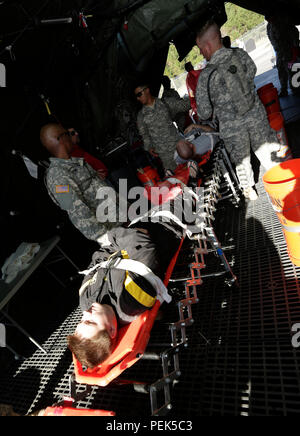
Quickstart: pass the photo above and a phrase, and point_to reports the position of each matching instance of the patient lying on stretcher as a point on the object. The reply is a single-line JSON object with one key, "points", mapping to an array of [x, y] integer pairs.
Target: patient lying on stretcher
{"points": [[116, 290], [199, 140]]}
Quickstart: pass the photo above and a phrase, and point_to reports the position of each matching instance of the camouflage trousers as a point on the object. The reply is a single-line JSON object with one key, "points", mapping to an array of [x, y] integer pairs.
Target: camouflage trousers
{"points": [[166, 155], [283, 71], [263, 141]]}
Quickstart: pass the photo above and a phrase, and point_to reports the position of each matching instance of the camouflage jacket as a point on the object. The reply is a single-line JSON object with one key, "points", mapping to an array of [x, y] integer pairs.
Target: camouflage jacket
{"points": [[170, 93], [155, 124], [73, 185], [214, 98]]}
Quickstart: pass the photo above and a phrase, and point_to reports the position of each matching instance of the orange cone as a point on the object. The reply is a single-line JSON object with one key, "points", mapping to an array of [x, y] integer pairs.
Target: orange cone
{"points": [[282, 183]]}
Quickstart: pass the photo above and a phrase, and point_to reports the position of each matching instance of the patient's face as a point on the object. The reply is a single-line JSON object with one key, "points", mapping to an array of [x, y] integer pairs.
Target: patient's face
{"points": [[98, 318], [196, 157]]}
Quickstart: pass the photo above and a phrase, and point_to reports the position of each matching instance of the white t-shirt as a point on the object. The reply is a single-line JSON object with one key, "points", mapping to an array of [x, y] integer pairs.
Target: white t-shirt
{"points": [[203, 143]]}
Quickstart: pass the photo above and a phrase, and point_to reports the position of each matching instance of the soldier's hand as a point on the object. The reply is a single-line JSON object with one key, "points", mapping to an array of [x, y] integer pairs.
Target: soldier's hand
{"points": [[190, 128], [169, 173], [183, 142]]}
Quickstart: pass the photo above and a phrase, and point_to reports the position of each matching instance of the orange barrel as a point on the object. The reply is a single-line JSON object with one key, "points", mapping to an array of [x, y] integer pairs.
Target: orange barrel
{"points": [[270, 99], [264, 88], [276, 121], [148, 176], [282, 183]]}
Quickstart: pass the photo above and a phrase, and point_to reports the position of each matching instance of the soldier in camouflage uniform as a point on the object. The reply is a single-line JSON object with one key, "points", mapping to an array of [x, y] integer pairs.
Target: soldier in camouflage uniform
{"points": [[73, 185], [155, 124], [169, 92], [283, 35], [226, 89]]}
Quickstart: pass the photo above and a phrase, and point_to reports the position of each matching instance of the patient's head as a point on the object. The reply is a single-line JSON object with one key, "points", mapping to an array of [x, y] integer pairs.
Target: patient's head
{"points": [[95, 336], [186, 150]]}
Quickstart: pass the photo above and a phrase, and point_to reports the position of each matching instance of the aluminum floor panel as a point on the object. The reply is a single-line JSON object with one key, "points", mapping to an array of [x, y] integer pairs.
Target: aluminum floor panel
{"points": [[240, 360]]}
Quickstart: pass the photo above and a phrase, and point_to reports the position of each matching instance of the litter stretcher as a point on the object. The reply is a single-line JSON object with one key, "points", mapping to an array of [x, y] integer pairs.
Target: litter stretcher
{"points": [[219, 183]]}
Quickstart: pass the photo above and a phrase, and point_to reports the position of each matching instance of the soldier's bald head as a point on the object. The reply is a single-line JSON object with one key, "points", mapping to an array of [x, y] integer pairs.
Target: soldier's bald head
{"points": [[48, 136], [49, 133]]}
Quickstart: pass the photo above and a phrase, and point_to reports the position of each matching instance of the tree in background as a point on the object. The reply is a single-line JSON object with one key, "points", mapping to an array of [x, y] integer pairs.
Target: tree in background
{"points": [[239, 22]]}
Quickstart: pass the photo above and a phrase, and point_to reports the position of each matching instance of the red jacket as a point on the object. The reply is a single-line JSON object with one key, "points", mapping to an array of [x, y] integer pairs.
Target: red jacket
{"points": [[191, 84], [91, 160]]}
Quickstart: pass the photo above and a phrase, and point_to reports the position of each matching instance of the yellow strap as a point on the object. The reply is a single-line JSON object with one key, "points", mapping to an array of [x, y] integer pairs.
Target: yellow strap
{"points": [[124, 254], [137, 293], [48, 108]]}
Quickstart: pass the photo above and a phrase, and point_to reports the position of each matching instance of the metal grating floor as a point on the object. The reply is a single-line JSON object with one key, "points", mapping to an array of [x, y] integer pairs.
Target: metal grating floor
{"points": [[240, 360]]}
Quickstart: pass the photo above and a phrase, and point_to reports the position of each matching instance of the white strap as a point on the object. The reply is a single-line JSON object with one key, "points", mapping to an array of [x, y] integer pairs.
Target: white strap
{"points": [[186, 188], [104, 241], [140, 269]]}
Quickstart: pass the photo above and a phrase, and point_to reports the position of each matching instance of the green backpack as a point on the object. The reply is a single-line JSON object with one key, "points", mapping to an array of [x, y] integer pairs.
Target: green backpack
{"points": [[234, 76]]}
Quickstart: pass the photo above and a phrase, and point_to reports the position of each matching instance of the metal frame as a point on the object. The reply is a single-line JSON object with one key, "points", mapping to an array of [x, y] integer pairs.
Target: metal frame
{"points": [[8, 291], [168, 358]]}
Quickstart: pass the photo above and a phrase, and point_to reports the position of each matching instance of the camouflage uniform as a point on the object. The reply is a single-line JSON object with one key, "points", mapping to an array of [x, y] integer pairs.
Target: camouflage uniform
{"points": [[170, 93], [73, 185], [239, 132], [155, 124], [180, 119], [283, 36]]}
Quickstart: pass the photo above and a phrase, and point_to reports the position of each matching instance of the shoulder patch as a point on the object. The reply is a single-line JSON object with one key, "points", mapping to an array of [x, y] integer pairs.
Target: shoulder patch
{"points": [[62, 189]]}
